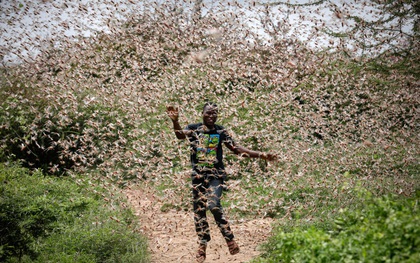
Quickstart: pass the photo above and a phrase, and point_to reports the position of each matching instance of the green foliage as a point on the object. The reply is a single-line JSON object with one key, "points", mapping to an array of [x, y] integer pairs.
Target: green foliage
{"points": [[384, 230], [57, 137], [49, 219]]}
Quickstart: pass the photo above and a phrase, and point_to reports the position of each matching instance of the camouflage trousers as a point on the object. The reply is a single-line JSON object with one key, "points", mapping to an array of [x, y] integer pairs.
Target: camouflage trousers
{"points": [[207, 192]]}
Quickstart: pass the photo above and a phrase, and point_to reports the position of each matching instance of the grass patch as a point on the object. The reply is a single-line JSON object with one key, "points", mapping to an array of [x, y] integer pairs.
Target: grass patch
{"points": [[50, 219], [383, 230]]}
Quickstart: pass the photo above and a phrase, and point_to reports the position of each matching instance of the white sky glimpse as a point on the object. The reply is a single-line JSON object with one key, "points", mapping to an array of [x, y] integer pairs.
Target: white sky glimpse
{"points": [[29, 26]]}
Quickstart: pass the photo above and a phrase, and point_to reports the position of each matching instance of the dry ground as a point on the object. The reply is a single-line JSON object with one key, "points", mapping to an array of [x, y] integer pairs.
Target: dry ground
{"points": [[172, 236]]}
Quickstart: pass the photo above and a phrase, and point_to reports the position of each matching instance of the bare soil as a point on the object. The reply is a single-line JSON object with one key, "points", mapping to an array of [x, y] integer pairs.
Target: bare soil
{"points": [[172, 236]]}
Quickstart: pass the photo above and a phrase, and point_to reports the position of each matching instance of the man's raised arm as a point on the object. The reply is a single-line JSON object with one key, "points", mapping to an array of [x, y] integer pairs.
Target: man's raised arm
{"points": [[174, 116]]}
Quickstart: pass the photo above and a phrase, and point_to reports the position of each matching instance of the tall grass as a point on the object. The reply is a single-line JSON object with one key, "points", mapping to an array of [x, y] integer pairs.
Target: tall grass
{"points": [[49, 219]]}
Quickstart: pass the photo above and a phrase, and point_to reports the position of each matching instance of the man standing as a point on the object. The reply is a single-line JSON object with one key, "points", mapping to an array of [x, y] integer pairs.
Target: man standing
{"points": [[208, 172]]}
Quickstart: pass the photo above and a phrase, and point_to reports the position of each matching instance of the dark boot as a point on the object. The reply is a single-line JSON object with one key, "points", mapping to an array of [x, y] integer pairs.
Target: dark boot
{"points": [[201, 253], [233, 247]]}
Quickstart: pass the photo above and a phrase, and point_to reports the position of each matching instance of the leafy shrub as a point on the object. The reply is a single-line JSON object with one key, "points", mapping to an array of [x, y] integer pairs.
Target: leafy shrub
{"points": [[385, 230], [49, 219], [57, 137]]}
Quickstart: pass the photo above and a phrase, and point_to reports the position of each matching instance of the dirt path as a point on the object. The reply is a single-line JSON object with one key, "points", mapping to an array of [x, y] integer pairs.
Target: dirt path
{"points": [[172, 236]]}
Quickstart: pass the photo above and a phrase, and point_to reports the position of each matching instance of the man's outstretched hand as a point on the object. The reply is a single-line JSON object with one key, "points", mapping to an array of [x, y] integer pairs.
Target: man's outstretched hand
{"points": [[172, 113], [269, 156]]}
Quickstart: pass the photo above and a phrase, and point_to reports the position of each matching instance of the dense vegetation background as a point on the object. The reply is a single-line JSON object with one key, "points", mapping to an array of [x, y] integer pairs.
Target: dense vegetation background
{"points": [[92, 114]]}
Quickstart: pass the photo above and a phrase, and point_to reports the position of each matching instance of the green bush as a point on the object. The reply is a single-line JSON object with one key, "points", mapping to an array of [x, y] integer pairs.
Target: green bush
{"points": [[50, 219], [385, 230], [58, 136]]}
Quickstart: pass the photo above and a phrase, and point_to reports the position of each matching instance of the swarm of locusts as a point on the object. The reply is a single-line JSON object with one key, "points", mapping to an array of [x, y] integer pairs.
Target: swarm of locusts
{"points": [[336, 115]]}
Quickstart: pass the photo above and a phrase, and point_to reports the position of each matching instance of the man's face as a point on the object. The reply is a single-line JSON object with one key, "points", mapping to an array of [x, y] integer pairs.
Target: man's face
{"points": [[210, 116]]}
